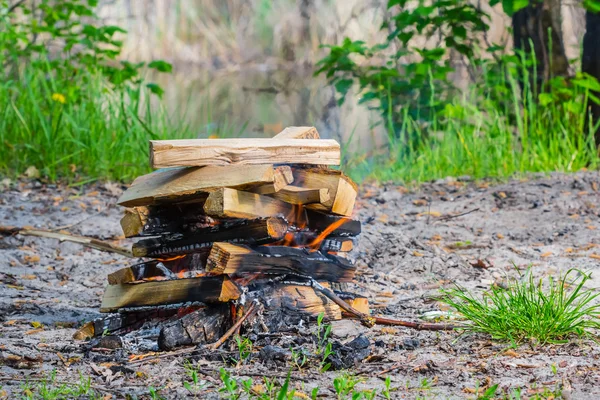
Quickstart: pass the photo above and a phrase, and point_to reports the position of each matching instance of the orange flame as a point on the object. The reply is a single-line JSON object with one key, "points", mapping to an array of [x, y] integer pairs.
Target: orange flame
{"points": [[316, 243], [172, 258]]}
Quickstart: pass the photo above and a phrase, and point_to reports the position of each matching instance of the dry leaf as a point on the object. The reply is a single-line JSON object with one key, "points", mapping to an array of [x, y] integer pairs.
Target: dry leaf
{"points": [[420, 202], [546, 254], [417, 254], [499, 236], [28, 277], [431, 213], [511, 353], [436, 238], [31, 259], [32, 172], [595, 256], [387, 330]]}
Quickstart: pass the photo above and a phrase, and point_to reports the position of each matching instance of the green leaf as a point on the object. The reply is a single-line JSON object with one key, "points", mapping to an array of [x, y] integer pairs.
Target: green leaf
{"points": [[161, 66], [156, 89], [592, 5], [512, 6]]}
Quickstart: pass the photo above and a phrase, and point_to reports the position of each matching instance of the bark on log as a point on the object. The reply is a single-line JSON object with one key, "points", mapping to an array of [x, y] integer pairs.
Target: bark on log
{"points": [[203, 326]]}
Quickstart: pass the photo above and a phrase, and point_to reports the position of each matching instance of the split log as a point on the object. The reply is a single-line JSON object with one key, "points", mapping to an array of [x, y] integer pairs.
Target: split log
{"points": [[320, 222], [298, 132], [173, 268], [203, 326], [251, 232], [206, 289], [201, 152], [184, 184], [283, 176], [227, 258], [299, 195], [157, 220], [342, 190], [231, 203], [302, 299]]}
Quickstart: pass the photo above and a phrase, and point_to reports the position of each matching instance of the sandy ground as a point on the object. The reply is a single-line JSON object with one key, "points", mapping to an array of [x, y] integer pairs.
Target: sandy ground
{"points": [[410, 249]]}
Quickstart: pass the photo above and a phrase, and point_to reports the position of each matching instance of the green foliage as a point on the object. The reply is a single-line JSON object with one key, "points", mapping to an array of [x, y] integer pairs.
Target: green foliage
{"points": [[67, 106], [49, 388], [272, 390], [244, 346], [412, 81], [526, 311], [324, 346]]}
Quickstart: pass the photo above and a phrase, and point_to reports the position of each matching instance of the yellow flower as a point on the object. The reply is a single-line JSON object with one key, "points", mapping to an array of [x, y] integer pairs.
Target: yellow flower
{"points": [[59, 98]]}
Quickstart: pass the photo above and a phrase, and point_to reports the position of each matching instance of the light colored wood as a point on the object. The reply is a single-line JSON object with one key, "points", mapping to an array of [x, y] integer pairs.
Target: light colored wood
{"points": [[298, 132], [201, 152], [283, 177], [342, 190], [360, 303], [202, 289], [177, 184], [299, 195], [133, 221], [233, 203]]}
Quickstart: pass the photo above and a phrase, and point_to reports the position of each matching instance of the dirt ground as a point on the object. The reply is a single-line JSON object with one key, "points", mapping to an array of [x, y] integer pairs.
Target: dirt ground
{"points": [[414, 243]]}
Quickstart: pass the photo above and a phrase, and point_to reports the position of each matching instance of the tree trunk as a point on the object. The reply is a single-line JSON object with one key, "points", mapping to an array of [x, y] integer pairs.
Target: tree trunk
{"points": [[591, 61], [537, 29]]}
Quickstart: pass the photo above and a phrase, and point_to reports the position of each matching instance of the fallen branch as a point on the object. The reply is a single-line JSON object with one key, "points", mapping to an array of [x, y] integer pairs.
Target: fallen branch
{"points": [[448, 217], [370, 321], [253, 309], [83, 240]]}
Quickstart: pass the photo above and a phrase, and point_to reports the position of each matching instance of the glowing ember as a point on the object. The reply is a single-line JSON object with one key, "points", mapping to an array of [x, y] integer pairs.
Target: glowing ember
{"points": [[316, 243]]}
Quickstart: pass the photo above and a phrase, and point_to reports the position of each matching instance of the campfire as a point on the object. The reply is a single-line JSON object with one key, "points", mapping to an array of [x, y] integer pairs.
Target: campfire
{"points": [[234, 228]]}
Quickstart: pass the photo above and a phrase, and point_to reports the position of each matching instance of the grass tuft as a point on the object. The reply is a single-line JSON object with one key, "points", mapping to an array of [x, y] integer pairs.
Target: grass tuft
{"points": [[528, 311]]}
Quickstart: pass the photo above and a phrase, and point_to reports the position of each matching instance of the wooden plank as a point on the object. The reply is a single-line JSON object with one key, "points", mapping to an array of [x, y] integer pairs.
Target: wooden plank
{"points": [[298, 132], [231, 203], [251, 232], [300, 195], [201, 152], [227, 258], [342, 190], [183, 184], [207, 289]]}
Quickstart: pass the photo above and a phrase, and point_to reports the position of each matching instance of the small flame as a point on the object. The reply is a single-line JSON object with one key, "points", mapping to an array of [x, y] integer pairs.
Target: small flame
{"points": [[172, 258], [316, 243]]}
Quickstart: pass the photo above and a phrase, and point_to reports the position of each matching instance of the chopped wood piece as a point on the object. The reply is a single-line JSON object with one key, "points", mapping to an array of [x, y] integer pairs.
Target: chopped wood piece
{"points": [[303, 300], [201, 152], [203, 326], [207, 289], [237, 204], [283, 177], [318, 221], [163, 220], [298, 132], [160, 269], [342, 190], [227, 258], [299, 195], [251, 232], [184, 184]]}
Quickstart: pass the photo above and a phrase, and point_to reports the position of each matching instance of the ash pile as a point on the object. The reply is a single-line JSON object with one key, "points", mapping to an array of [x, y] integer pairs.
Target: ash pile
{"points": [[240, 235]]}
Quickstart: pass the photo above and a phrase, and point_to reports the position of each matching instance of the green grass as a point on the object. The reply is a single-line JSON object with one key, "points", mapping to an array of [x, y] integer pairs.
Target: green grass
{"points": [[100, 136], [528, 311]]}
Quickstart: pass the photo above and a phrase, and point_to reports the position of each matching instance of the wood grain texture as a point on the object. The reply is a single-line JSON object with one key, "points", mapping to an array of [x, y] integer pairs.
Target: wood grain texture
{"points": [[342, 190], [201, 152], [298, 132], [202, 326], [231, 203], [227, 258], [203, 289], [299, 195], [183, 184]]}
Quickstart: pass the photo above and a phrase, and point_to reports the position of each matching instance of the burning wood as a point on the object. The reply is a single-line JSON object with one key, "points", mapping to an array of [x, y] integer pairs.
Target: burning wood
{"points": [[232, 228]]}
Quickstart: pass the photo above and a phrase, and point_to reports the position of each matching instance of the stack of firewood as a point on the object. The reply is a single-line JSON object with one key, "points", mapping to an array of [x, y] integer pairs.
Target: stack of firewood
{"points": [[223, 219]]}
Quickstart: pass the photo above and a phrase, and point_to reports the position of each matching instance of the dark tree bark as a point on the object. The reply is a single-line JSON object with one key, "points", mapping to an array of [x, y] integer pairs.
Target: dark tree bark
{"points": [[591, 61], [537, 29]]}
